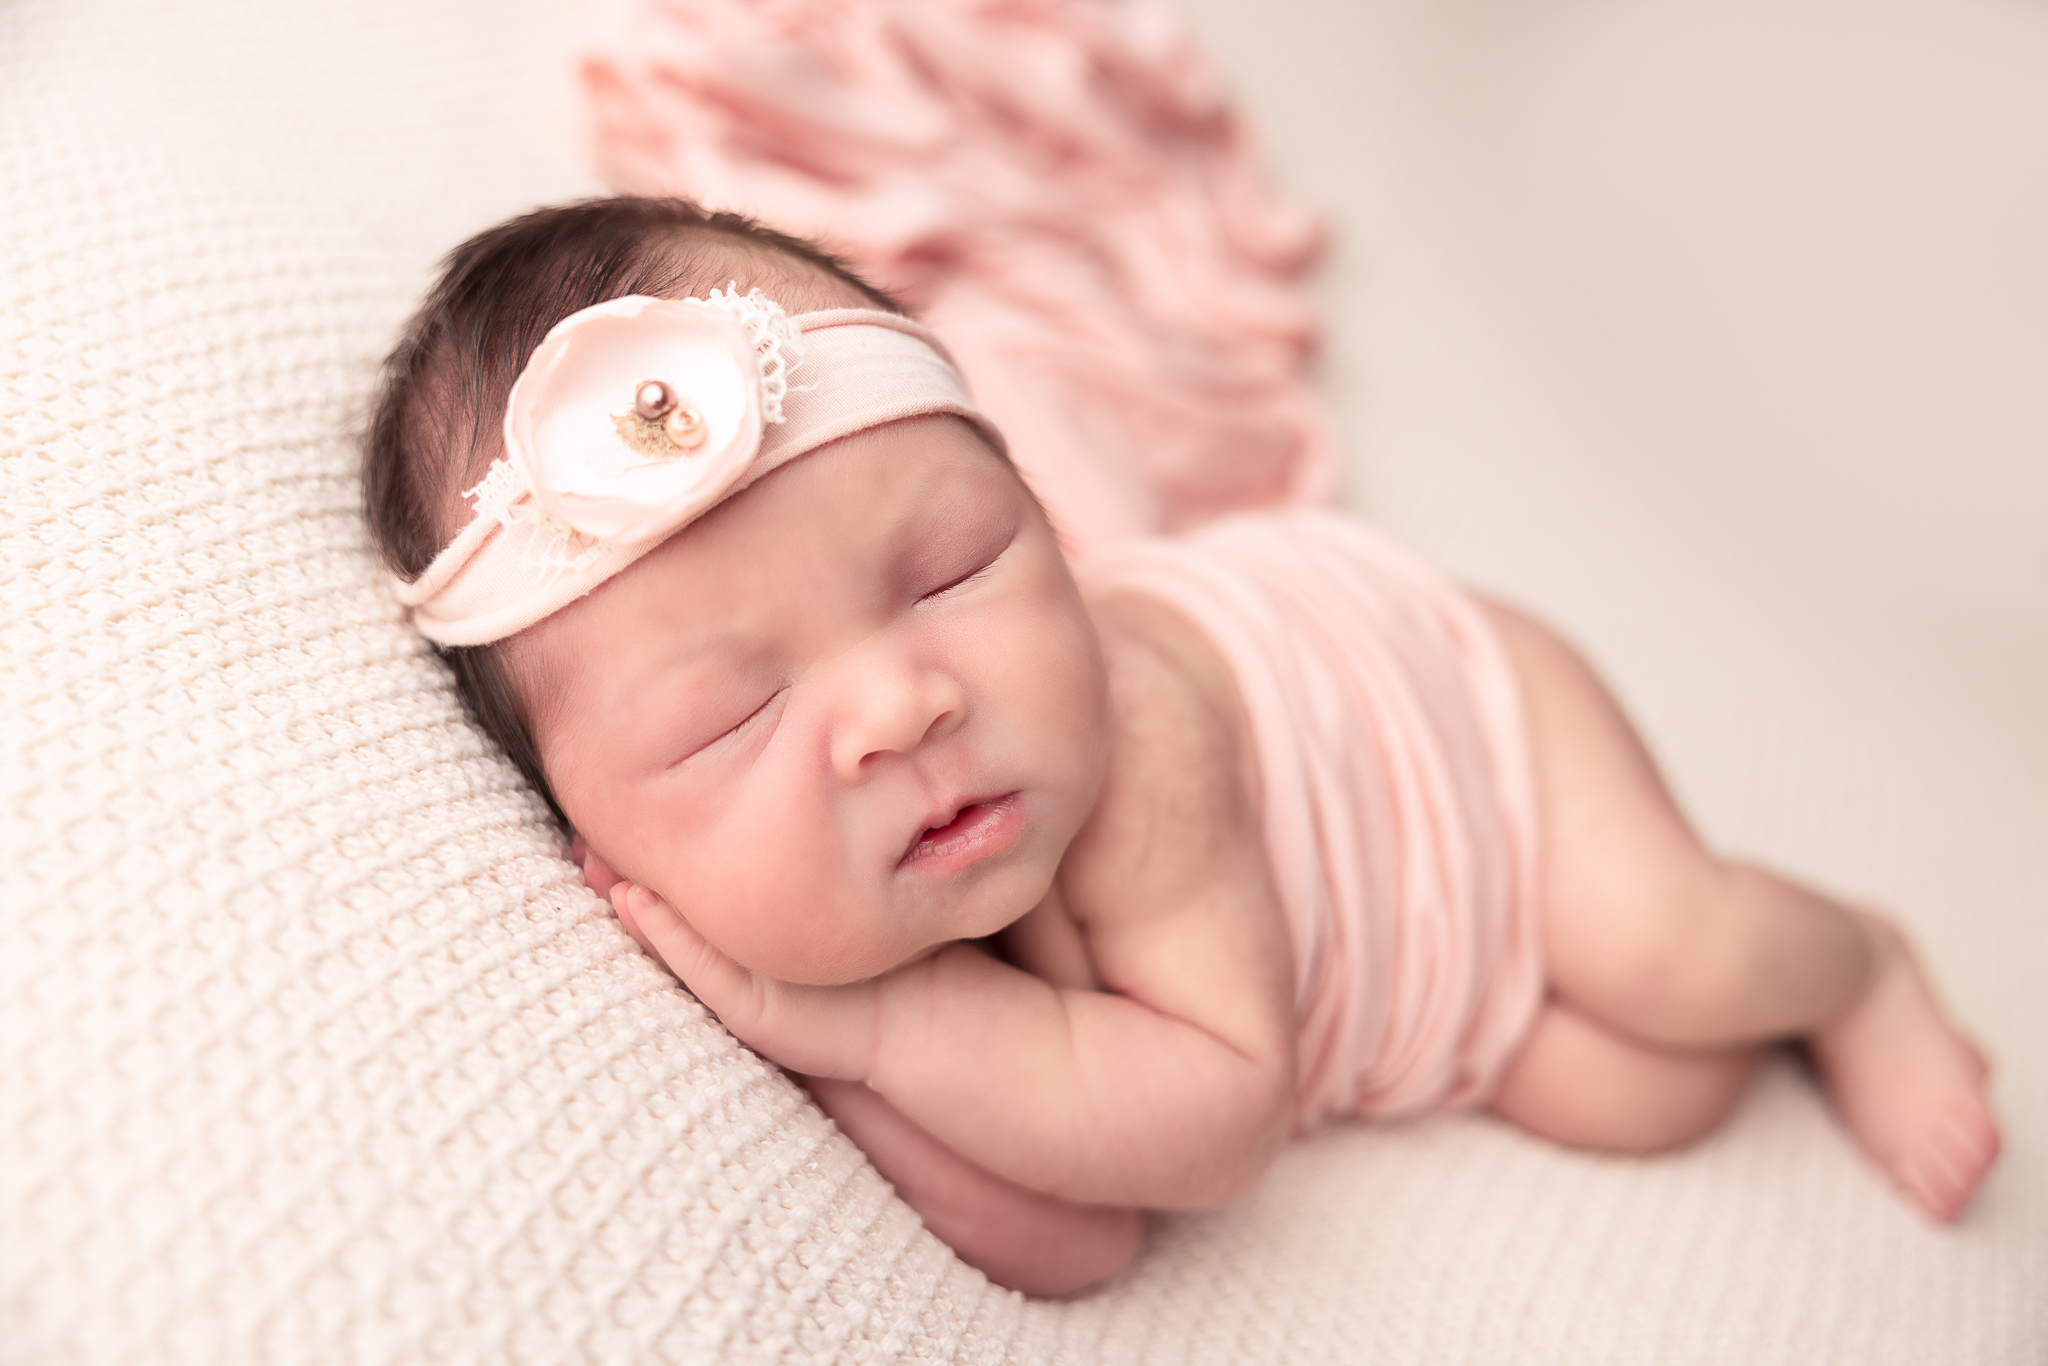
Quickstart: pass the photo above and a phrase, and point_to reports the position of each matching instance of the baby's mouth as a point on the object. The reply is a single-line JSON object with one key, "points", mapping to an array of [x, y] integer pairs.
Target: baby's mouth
{"points": [[967, 827]]}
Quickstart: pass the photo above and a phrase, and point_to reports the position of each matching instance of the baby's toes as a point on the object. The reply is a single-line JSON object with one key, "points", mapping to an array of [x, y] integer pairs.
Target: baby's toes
{"points": [[1943, 1170], [1970, 1157]]}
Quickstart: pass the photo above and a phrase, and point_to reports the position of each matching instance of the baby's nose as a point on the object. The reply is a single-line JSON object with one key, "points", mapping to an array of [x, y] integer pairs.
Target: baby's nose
{"points": [[890, 708]]}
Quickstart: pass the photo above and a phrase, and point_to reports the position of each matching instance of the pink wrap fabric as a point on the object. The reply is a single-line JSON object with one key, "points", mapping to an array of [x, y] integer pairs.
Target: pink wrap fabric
{"points": [[1056, 187], [1395, 792]]}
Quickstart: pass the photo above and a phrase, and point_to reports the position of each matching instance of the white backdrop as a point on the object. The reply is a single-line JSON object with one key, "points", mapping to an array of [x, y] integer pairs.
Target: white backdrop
{"points": [[1717, 332]]}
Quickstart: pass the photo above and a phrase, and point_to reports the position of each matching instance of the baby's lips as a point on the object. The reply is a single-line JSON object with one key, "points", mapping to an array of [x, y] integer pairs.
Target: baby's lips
{"points": [[568, 420]]}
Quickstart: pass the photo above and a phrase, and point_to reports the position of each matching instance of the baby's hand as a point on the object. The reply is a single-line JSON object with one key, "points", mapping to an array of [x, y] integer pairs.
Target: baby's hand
{"points": [[819, 1031]]}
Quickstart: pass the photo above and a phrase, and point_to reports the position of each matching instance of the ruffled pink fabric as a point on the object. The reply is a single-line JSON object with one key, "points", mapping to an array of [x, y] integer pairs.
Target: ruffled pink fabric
{"points": [[1056, 186]]}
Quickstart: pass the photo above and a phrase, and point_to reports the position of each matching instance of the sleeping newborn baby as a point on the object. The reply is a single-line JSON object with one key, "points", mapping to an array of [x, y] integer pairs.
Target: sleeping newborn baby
{"points": [[1068, 892]]}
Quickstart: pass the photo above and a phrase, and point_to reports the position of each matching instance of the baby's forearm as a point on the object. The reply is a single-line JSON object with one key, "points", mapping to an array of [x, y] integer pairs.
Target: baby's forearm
{"points": [[1019, 1238], [1090, 1096], [1086, 1095]]}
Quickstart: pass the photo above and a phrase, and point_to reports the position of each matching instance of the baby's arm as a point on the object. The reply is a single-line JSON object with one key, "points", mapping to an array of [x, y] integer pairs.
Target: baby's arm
{"points": [[1020, 1238], [1094, 1097]]}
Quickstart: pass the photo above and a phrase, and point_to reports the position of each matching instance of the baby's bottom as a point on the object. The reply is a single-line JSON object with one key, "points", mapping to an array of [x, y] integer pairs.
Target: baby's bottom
{"points": [[1669, 968]]}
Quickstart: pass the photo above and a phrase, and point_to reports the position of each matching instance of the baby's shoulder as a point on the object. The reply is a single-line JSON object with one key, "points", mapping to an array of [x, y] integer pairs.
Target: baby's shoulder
{"points": [[1172, 698], [1179, 798]]}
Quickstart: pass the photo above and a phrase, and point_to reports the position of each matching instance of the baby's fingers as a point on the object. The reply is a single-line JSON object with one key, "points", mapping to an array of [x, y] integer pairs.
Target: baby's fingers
{"points": [[717, 981], [821, 1031], [616, 894]]}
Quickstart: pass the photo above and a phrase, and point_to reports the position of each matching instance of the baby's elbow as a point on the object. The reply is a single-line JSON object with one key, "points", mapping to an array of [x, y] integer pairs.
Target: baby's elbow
{"points": [[1233, 1180], [1109, 1245], [1057, 1249], [1235, 1155], [1099, 1243]]}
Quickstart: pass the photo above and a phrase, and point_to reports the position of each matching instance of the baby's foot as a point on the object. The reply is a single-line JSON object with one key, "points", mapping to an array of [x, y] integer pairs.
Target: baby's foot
{"points": [[1910, 1087]]}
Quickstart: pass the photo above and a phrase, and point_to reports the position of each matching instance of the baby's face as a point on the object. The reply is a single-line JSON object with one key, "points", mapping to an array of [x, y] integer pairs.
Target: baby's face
{"points": [[855, 712]]}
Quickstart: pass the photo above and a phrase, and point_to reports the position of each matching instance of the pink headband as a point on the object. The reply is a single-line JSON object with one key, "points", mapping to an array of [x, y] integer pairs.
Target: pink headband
{"points": [[637, 416]]}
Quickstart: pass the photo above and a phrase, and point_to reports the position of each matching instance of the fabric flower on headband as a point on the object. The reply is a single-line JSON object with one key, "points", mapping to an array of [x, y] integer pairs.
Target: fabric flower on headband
{"points": [[635, 414]]}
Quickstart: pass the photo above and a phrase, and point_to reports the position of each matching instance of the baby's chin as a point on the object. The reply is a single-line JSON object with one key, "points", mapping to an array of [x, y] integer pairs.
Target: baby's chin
{"points": [[839, 970], [860, 962], [1002, 898]]}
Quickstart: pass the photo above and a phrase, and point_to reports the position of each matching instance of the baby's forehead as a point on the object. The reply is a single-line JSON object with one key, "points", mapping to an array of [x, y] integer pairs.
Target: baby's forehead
{"points": [[858, 518], [871, 491]]}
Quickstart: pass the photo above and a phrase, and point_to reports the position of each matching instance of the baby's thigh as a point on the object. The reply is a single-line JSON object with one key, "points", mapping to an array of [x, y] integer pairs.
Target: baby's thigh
{"points": [[1643, 927], [1627, 888]]}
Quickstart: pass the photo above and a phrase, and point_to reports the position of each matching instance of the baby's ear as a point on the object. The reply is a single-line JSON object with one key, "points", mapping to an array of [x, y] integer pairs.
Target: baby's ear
{"points": [[597, 874]]}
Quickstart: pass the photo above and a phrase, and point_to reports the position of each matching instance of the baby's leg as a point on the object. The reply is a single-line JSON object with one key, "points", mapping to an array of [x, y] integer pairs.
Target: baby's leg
{"points": [[1577, 1082], [1650, 936]]}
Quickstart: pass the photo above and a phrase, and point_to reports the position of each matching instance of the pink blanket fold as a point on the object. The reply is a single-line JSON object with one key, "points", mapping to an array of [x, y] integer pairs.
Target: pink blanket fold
{"points": [[1056, 186]]}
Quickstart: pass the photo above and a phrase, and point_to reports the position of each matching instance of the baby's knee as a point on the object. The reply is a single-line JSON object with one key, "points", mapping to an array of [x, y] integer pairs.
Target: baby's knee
{"points": [[1668, 967]]}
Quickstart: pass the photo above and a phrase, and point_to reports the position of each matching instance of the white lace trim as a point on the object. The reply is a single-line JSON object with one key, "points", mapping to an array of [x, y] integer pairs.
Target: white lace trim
{"points": [[778, 346], [550, 546]]}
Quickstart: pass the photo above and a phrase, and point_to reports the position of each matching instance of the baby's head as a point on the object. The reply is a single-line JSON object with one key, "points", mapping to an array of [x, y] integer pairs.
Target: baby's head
{"points": [[829, 688]]}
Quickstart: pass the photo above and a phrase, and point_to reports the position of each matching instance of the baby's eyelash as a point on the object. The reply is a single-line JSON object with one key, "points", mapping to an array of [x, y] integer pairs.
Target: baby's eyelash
{"points": [[962, 581], [751, 716], [730, 731]]}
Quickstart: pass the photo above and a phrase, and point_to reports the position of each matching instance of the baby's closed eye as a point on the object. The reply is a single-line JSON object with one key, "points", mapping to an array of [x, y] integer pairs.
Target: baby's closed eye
{"points": [[739, 735], [974, 557], [971, 576], [953, 547]]}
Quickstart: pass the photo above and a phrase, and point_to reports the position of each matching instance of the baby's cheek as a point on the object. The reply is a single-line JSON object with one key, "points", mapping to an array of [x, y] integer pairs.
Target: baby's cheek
{"points": [[775, 884], [1060, 667]]}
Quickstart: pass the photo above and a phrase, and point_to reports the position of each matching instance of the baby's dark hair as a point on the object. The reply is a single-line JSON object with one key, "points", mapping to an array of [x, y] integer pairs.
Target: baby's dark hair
{"points": [[437, 423]]}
